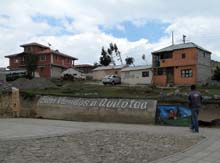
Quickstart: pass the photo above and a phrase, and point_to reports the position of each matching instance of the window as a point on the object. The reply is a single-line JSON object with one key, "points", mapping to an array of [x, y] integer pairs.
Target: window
{"points": [[204, 54], [16, 60], [187, 73], [55, 57], [166, 55], [145, 74], [183, 55], [42, 57]]}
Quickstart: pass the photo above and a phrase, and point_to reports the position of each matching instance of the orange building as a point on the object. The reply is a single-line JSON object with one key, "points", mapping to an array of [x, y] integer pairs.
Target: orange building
{"points": [[181, 64]]}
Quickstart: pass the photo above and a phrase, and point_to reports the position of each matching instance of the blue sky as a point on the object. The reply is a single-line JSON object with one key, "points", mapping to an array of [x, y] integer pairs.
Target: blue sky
{"points": [[81, 28], [152, 30]]}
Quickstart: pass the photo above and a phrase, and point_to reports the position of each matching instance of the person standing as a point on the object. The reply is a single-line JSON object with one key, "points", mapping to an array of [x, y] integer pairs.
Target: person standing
{"points": [[195, 102]]}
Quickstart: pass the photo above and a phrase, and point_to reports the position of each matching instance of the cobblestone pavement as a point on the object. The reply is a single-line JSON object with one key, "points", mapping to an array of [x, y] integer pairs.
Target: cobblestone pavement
{"points": [[36, 141]]}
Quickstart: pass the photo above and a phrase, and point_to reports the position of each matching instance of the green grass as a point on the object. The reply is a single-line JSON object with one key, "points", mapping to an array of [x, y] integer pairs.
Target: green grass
{"points": [[86, 89]]}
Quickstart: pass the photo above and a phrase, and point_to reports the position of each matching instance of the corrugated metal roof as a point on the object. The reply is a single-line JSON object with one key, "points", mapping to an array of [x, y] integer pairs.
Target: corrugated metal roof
{"points": [[135, 68], [109, 67], [180, 46]]}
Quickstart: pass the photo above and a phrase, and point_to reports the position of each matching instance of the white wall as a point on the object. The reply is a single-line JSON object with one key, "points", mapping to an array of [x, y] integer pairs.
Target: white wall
{"points": [[135, 77]]}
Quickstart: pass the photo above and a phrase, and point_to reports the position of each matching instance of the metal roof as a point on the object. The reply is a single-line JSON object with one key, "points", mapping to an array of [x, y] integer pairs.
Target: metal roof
{"points": [[180, 46], [109, 67], [35, 44], [135, 68]]}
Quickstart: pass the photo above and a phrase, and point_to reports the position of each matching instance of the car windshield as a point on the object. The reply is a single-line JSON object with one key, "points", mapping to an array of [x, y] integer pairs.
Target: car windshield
{"points": [[108, 76]]}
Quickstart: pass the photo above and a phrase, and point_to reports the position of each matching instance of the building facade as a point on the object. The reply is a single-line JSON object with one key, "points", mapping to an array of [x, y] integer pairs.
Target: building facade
{"points": [[181, 64], [99, 72], [50, 64], [137, 75]]}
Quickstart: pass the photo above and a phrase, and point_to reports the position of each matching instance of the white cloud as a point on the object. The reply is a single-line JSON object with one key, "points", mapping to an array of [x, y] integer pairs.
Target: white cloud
{"points": [[198, 20]]}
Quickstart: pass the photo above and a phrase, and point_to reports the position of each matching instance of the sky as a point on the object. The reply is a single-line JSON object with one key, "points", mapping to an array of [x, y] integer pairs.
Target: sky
{"points": [[81, 28]]}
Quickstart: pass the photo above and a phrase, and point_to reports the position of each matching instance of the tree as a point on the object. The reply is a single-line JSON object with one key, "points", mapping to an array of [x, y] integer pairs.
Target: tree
{"points": [[105, 58], [95, 65], [111, 53], [129, 60], [216, 75], [30, 62]]}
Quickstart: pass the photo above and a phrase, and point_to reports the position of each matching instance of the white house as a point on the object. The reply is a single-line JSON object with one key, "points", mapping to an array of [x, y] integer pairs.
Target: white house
{"points": [[99, 72], [137, 75], [73, 72]]}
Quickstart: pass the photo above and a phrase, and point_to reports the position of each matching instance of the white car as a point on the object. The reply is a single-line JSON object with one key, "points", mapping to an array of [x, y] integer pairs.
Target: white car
{"points": [[111, 79]]}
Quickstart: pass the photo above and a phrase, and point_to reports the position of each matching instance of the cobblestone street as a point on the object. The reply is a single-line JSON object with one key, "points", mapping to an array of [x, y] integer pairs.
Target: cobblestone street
{"points": [[62, 141]]}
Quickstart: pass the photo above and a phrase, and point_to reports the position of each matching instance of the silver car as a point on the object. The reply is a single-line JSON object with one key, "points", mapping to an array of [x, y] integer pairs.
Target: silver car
{"points": [[111, 79]]}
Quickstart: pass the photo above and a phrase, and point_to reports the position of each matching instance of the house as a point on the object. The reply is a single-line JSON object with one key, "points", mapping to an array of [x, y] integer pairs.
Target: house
{"points": [[137, 75], [74, 73], [99, 72], [84, 68], [214, 65], [50, 62], [181, 64]]}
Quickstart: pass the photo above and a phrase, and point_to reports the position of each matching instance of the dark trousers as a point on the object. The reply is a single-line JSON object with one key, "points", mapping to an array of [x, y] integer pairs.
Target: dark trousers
{"points": [[195, 123]]}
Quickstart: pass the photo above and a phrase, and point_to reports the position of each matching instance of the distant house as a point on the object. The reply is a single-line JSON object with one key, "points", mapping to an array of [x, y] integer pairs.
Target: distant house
{"points": [[137, 75], [99, 72], [51, 63], [84, 68], [181, 64], [74, 73], [214, 65]]}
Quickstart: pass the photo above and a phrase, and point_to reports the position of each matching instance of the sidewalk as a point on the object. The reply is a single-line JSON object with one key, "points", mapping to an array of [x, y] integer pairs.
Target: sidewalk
{"points": [[207, 151]]}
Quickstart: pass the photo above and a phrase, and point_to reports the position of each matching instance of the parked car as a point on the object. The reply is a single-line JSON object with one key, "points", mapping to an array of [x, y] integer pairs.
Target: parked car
{"points": [[111, 79]]}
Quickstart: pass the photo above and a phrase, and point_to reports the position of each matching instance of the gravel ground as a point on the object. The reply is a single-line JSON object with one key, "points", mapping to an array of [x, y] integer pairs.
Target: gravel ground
{"points": [[95, 146]]}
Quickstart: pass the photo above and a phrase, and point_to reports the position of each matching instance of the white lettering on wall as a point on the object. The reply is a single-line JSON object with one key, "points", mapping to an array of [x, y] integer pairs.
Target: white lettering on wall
{"points": [[95, 102]]}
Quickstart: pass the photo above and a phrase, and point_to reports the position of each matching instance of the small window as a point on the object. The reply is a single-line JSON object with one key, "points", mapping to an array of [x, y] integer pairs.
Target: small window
{"points": [[145, 74], [204, 54], [187, 73], [42, 57], [16, 60], [55, 57], [183, 55]]}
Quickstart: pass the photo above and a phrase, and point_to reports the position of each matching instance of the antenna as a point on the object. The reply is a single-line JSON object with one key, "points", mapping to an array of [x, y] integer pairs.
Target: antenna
{"points": [[184, 39], [172, 39]]}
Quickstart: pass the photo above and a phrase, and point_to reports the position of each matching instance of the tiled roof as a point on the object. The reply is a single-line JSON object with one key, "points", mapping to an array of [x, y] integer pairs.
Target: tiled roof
{"points": [[180, 46], [134, 68]]}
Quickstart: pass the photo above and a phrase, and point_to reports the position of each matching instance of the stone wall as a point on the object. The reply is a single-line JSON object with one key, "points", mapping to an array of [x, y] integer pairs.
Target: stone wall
{"points": [[5, 108]]}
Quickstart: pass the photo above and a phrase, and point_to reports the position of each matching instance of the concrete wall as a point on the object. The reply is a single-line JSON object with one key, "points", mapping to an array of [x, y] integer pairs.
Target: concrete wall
{"points": [[96, 109], [56, 72], [203, 67], [135, 77], [99, 74], [2, 77]]}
